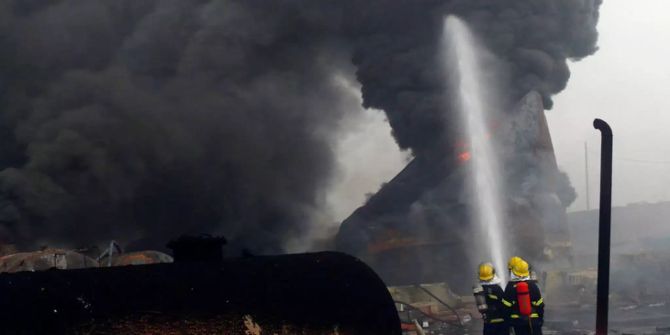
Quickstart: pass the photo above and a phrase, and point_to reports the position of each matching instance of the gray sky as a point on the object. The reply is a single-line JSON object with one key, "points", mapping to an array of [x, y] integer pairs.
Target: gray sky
{"points": [[627, 83]]}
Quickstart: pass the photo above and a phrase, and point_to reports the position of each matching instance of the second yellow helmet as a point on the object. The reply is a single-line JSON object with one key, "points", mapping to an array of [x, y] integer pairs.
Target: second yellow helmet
{"points": [[513, 260], [520, 269], [486, 271]]}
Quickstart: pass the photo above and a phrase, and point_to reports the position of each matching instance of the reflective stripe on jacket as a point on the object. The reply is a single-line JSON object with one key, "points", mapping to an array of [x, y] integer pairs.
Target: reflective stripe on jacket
{"points": [[496, 311]]}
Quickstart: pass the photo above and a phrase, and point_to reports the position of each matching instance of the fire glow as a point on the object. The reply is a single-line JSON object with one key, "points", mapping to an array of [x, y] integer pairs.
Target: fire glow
{"points": [[464, 156]]}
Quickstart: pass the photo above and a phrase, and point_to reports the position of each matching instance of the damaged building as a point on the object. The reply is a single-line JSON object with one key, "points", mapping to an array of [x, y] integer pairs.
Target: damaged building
{"points": [[417, 227], [64, 259]]}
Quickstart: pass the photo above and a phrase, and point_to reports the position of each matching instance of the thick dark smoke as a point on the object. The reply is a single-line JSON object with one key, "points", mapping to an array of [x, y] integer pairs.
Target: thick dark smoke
{"points": [[146, 119], [396, 55], [142, 120], [399, 64]]}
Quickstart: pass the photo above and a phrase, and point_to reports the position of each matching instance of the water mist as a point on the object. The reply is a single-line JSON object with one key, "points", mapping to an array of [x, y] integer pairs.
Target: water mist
{"points": [[472, 93]]}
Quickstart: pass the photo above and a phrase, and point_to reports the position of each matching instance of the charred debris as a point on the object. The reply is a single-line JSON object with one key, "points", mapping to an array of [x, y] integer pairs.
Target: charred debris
{"points": [[200, 292]]}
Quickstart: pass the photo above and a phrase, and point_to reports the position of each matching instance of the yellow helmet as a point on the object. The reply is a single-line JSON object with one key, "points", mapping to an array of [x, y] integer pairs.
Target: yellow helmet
{"points": [[520, 269], [512, 261], [486, 271]]}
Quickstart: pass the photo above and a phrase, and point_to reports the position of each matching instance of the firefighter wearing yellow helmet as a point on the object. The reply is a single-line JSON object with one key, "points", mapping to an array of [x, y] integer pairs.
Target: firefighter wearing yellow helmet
{"points": [[513, 260], [488, 296], [523, 301]]}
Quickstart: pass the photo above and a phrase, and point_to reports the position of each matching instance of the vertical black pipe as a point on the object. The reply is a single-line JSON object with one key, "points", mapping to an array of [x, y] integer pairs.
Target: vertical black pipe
{"points": [[604, 229]]}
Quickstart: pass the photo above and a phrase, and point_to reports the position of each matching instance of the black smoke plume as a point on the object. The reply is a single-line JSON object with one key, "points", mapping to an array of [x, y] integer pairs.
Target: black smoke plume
{"points": [[146, 119], [397, 55], [141, 120]]}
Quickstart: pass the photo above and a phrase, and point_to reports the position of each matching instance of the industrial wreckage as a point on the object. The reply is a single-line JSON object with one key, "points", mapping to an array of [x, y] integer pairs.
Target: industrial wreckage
{"points": [[202, 292], [319, 293], [198, 291], [387, 233]]}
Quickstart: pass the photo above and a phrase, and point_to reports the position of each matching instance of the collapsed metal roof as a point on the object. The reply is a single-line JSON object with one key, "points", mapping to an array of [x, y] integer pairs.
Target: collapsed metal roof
{"points": [[67, 259]]}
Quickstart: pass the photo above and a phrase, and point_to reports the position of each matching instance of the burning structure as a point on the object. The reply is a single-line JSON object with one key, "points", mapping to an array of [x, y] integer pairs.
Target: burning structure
{"points": [[147, 119], [418, 225]]}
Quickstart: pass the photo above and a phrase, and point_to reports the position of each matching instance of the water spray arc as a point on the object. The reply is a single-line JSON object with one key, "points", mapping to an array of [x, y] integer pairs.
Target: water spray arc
{"points": [[473, 92]]}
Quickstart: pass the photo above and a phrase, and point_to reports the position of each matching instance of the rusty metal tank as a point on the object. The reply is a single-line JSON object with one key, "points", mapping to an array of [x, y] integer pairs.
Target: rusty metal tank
{"points": [[314, 293]]}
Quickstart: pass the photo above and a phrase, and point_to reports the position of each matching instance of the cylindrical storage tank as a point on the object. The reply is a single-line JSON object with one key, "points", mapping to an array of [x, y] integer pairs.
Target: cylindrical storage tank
{"points": [[316, 293]]}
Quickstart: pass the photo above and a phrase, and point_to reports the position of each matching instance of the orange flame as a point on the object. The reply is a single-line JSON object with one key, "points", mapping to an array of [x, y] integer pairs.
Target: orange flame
{"points": [[464, 156]]}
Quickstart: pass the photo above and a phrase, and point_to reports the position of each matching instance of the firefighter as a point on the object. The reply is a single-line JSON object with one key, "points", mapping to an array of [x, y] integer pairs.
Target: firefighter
{"points": [[488, 295], [511, 262], [523, 302]]}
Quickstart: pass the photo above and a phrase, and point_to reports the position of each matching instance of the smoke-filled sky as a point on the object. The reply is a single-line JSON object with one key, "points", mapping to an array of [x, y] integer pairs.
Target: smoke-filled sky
{"points": [[626, 83], [143, 119]]}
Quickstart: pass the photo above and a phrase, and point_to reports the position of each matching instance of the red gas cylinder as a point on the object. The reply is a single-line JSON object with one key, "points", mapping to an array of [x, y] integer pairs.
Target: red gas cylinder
{"points": [[523, 297]]}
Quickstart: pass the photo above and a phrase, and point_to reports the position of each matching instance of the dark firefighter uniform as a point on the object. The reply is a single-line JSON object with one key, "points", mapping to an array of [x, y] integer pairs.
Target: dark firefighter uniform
{"points": [[524, 324], [494, 317], [494, 313]]}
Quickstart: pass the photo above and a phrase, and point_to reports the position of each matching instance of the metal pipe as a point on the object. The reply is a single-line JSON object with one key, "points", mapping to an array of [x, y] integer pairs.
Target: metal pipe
{"points": [[111, 253], [604, 230], [460, 322], [586, 175]]}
